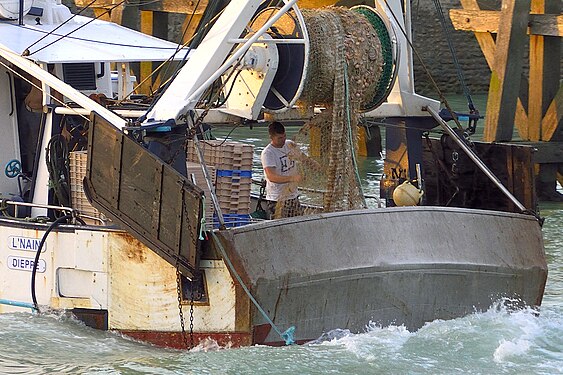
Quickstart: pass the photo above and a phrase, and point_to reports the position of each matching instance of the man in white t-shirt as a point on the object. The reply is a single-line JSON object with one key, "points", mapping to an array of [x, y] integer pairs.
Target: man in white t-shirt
{"points": [[280, 167]]}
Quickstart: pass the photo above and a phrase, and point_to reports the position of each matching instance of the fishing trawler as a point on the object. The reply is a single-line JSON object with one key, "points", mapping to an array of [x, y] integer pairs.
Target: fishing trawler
{"points": [[103, 217]]}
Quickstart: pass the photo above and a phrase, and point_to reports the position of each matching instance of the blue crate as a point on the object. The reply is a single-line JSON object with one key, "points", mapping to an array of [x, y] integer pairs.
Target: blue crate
{"points": [[232, 220], [233, 173]]}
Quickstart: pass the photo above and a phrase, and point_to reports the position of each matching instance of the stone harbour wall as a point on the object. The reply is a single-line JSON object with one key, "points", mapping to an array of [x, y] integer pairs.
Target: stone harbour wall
{"points": [[431, 44]]}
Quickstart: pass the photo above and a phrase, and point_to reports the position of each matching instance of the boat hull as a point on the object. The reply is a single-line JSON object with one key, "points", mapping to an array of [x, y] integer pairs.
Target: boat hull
{"points": [[402, 266]]}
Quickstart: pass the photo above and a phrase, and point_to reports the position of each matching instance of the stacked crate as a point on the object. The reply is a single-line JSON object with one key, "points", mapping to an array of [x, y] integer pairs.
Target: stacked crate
{"points": [[77, 169], [233, 169]]}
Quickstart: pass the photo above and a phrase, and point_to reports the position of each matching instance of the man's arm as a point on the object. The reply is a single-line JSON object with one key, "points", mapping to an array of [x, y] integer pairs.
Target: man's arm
{"points": [[272, 176]]}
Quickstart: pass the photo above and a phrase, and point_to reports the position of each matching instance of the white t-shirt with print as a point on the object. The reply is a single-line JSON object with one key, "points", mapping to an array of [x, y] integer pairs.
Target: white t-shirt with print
{"points": [[278, 158]]}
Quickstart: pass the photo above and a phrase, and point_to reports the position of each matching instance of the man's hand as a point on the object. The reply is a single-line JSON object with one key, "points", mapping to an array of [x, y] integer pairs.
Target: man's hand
{"points": [[296, 154], [296, 178]]}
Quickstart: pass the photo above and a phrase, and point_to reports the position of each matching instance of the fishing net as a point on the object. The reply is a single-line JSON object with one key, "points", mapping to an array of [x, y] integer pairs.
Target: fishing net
{"points": [[345, 65]]}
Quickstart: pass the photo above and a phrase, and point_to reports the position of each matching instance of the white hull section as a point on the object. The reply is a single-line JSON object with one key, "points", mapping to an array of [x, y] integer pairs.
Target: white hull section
{"points": [[106, 270]]}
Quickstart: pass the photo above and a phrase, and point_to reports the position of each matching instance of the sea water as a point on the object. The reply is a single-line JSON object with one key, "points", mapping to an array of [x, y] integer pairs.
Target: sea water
{"points": [[498, 341]]}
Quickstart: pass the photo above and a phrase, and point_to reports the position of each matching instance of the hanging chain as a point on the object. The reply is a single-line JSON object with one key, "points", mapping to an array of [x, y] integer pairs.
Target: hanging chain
{"points": [[440, 163], [181, 313], [194, 243], [193, 238], [193, 281], [192, 317]]}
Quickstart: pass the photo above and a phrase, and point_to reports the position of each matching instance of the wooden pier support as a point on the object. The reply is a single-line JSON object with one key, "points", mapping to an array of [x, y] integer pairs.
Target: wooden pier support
{"points": [[154, 21], [535, 103], [509, 54]]}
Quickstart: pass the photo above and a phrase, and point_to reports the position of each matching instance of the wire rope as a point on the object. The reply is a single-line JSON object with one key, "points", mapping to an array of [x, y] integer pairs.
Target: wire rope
{"points": [[26, 79], [28, 53], [59, 26], [424, 67], [451, 46], [68, 36]]}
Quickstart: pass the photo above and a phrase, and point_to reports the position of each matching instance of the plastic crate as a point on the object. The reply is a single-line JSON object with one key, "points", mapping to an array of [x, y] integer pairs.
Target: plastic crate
{"points": [[223, 155], [77, 172], [233, 191], [232, 220], [233, 165]]}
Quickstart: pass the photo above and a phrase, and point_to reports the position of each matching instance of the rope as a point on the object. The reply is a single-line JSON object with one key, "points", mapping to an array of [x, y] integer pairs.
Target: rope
{"points": [[287, 335], [68, 36], [180, 45], [39, 87], [58, 27], [424, 67], [164, 85], [58, 166], [38, 253]]}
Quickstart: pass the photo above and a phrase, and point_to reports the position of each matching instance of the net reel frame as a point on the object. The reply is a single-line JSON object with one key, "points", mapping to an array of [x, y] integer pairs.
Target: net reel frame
{"points": [[385, 29], [293, 56]]}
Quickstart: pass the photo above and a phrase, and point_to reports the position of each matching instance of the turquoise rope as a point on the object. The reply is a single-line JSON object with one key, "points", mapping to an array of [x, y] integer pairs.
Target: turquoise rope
{"points": [[349, 122], [203, 221], [287, 336], [17, 304]]}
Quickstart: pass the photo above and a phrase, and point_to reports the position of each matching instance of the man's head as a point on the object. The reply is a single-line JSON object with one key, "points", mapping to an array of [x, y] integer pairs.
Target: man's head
{"points": [[277, 134]]}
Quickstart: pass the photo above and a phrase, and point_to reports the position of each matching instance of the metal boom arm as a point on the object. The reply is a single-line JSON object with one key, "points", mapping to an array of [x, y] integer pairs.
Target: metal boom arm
{"points": [[207, 63]]}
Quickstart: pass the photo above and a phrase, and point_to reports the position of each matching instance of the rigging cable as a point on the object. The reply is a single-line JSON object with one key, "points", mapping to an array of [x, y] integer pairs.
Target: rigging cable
{"points": [[451, 46], [167, 83], [226, 138], [28, 53], [198, 34], [38, 253], [182, 45], [68, 36], [424, 67], [234, 71], [26, 79]]}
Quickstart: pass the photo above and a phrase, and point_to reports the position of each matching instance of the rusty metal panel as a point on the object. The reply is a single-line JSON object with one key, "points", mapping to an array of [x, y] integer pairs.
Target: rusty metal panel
{"points": [[142, 193], [142, 294]]}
